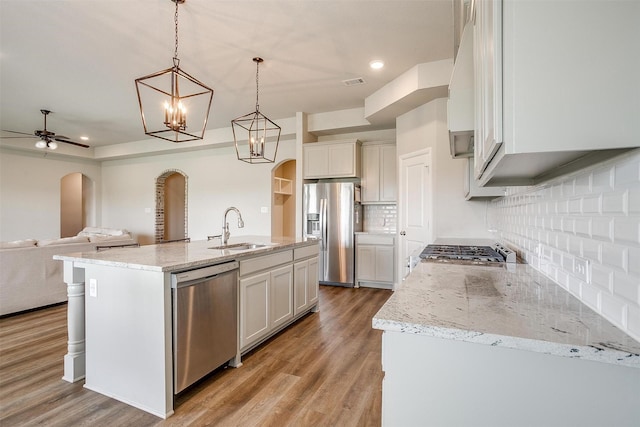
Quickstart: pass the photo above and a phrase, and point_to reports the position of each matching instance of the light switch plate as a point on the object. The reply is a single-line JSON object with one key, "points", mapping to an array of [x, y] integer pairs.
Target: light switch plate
{"points": [[264, 209]]}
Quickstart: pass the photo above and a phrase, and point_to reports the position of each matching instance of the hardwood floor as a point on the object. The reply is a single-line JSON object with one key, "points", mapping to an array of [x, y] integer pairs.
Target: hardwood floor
{"points": [[325, 370]]}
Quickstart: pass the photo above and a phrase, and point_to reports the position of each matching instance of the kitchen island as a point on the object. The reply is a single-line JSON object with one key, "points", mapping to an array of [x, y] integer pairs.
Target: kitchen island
{"points": [[502, 346], [120, 309]]}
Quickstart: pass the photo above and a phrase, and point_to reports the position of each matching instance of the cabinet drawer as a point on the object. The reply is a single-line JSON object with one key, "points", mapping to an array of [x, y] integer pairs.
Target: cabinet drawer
{"points": [[305, 252], [375, 239], [268, 261]]}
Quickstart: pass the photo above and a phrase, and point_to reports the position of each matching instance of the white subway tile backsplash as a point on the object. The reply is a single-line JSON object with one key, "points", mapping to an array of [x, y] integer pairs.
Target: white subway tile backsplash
{"points": [[614, 256], [582, 226], [602, 277], [591, 205], [633, 200], [380, 218], [627, 173], [593, 214], [634, 262], [602, 180], [590, 296], [601, 228], [614, 309], [614, 202], [626, 230], [633, 320], [626, 287]]}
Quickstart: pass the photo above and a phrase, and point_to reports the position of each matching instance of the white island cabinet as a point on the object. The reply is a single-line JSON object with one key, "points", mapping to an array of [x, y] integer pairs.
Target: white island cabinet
{"points": [[549, 94], [120, 315], [467, 345], [266, 296]]}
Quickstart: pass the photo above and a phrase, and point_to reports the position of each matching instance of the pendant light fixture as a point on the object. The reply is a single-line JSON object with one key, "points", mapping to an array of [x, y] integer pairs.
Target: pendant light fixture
{"points": [[168, 97], [255, 136]]}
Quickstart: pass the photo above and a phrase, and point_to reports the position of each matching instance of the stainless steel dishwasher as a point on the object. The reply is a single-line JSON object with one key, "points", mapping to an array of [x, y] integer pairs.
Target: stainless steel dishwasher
{"points": [[205, 330]]}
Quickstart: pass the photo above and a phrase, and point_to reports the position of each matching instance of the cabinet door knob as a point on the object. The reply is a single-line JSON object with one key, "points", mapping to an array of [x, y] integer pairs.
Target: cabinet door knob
{"points": [[402, 233]]}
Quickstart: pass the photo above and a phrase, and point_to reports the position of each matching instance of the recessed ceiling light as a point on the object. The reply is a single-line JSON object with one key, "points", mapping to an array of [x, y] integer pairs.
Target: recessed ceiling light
{"points": [[376, 64], [84, 138]]}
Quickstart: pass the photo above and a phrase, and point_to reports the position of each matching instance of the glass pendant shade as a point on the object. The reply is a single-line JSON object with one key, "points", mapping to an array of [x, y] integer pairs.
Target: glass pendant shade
{"points": [[175, 103], [255, 136]]}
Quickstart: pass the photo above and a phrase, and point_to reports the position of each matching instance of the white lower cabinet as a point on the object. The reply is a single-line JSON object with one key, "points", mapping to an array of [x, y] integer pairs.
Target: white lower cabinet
{"points": [[254, 308], [281, 292], [305, 278], [375, 260], [274, 289]]}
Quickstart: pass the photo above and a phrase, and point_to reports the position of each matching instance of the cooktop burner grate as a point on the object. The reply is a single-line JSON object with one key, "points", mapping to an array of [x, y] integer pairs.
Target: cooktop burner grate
{"points": [[462, 253]]}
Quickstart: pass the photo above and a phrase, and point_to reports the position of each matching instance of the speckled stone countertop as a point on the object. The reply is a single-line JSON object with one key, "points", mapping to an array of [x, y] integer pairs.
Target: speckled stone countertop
{"points": [[178, 256], [516, 307]]}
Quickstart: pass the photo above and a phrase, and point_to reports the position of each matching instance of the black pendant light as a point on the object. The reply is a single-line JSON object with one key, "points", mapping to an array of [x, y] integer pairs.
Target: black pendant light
{"points": [[255, 136], [168, 97]]}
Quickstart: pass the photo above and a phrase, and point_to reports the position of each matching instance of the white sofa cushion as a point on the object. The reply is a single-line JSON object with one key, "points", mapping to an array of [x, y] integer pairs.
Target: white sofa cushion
{"points": [[102, 231], [64, 241], [107, 238], [26, 243]]}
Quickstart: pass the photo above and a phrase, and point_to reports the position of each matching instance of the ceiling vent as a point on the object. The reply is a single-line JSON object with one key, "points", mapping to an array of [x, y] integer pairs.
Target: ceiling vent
{"points": [[354, 82]]}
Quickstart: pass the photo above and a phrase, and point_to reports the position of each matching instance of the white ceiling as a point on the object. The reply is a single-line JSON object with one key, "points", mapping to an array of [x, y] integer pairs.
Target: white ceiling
{"points": [[79, 58]]}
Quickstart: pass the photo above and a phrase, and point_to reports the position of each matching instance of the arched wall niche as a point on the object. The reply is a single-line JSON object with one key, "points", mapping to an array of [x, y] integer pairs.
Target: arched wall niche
{"points": [[283, 200], [171, 205]]}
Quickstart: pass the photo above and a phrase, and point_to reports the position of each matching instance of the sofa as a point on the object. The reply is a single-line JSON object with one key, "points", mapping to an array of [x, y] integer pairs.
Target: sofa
{"points": [[30, 277]]}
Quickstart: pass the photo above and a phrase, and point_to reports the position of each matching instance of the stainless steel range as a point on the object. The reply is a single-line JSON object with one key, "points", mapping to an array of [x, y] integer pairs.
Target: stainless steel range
{"points": [[468, 254]]}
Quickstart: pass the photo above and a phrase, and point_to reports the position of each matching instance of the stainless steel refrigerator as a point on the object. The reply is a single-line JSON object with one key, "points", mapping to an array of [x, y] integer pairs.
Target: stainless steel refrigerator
{"points": [[332, 213]]}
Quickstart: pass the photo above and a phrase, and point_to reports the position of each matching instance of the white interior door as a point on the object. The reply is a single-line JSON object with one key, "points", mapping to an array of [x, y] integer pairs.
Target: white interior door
{"points": [[415, 207]]}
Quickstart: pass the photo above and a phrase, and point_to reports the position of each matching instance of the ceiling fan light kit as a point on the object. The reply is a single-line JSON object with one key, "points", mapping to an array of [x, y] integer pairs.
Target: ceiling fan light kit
{"points": [[255, 136], [47, 138], [166, 98]]}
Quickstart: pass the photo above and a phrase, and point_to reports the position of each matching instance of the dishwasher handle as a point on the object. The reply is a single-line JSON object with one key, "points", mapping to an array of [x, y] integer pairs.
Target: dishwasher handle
{"points": [[186, 278]]}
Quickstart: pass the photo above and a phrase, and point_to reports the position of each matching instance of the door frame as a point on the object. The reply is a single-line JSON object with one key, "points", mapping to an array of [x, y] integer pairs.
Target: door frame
{"points": [[403, 205]]}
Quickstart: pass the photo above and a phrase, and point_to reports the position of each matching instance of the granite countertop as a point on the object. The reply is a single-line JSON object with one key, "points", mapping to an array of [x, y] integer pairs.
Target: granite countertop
{"points": [[516, 307], [178, 256]]}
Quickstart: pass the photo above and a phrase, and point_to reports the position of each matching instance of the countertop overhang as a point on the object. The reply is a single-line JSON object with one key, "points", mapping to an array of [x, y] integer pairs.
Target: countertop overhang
{"points": [[515, 307], [177, 256]]}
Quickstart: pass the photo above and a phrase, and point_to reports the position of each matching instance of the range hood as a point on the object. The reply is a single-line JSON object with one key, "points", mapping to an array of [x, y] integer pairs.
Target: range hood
{"points": [[460, 105]]}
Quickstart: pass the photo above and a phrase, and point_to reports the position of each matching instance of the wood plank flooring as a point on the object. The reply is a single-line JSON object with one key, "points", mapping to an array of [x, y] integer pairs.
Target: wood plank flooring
{"points": [[325, 370]]}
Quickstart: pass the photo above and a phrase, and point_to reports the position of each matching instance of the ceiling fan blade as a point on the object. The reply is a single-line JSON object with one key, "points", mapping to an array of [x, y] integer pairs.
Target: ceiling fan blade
{"points": [[21, 133], [57, 138], [17, 137]]}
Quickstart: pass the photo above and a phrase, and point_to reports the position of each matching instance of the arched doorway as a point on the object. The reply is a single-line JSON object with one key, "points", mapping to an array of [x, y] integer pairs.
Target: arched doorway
{"points": [[171, 206], [76, 198]]}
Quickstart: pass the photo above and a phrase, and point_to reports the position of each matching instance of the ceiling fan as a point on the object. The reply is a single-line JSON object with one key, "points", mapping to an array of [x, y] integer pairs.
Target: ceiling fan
{"points": [[47, 138]]}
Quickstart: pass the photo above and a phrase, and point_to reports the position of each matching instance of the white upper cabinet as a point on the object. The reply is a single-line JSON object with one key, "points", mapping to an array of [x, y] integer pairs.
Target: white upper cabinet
{"points": [[334, 159], [379, 180], [556, 86]]}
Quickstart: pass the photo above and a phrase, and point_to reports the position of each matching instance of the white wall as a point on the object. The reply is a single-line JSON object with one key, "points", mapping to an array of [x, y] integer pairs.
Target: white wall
{"points": [[216, 179], [30, 193], [593, 214], [426, 126]]}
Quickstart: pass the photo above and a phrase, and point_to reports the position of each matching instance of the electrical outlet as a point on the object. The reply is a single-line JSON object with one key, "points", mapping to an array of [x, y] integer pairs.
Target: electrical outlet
{"points": [[581, 269]]}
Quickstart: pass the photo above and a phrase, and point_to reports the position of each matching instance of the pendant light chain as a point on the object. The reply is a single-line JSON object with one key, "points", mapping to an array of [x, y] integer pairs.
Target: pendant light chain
{"points": [[257, 84], [175, 53]]}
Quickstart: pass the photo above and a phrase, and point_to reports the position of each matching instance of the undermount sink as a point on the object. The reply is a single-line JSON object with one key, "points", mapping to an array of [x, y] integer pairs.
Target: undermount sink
{"points": [[239, 246]]}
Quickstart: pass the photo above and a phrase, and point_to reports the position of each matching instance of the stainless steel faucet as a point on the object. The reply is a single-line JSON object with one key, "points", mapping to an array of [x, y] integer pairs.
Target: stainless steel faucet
{"points": [[225, 224]]}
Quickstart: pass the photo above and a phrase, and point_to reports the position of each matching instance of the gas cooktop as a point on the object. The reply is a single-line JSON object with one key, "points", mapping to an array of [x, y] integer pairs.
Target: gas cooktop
{"points": [[468, 254]]}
